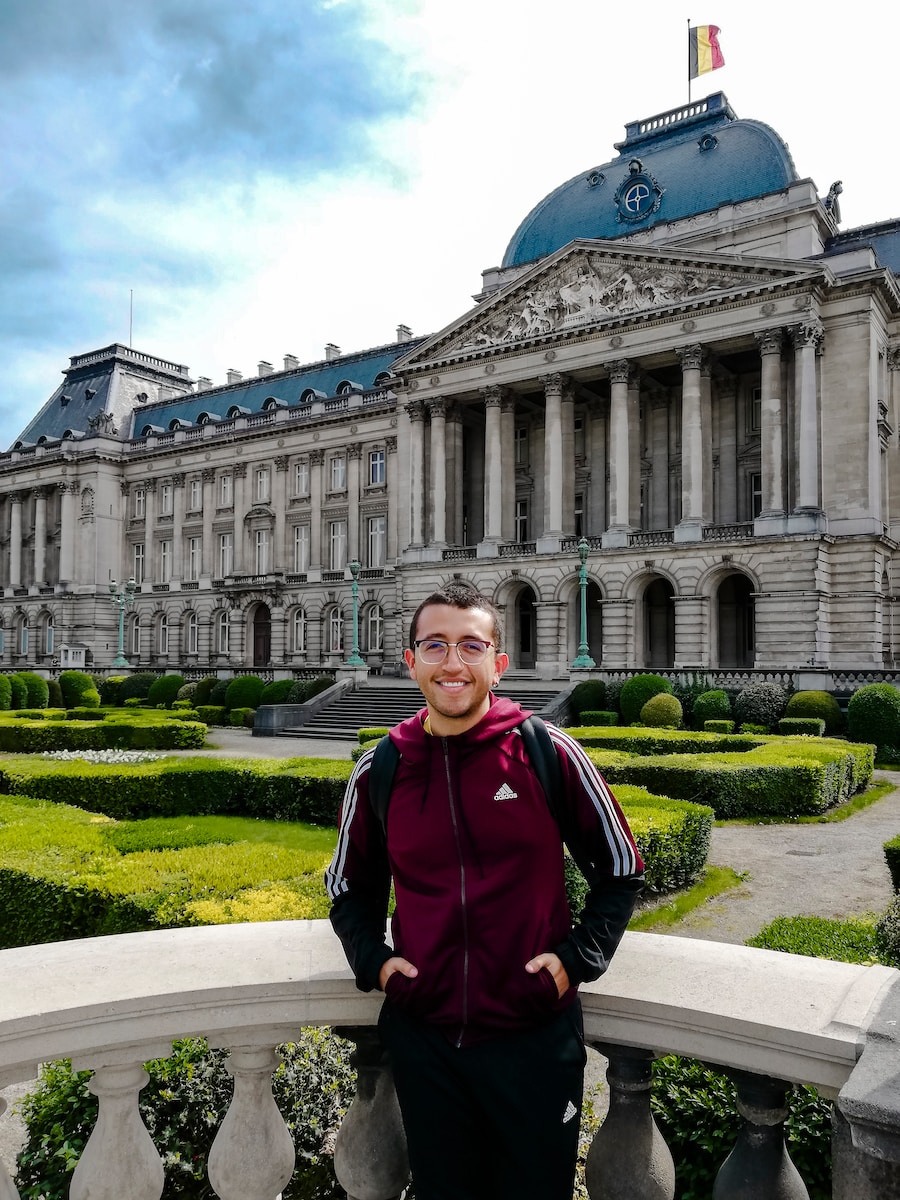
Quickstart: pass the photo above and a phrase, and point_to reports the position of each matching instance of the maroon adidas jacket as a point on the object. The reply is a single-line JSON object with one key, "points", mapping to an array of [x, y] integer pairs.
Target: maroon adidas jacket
{"points": [[476, 859]]}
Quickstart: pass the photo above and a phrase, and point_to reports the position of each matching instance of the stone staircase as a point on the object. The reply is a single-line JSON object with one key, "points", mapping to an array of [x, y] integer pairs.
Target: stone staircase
{"points": [[386, 705]]}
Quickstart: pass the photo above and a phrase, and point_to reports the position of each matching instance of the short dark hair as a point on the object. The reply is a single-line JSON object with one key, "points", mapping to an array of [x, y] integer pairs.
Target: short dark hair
{"points": [[460, 595]]}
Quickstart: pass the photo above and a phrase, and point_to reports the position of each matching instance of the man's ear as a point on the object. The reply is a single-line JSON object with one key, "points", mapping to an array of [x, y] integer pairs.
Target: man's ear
{"points": [[501, 662], [410, 657]]}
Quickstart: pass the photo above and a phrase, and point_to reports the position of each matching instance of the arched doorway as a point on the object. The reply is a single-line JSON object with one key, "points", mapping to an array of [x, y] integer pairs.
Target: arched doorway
{"points": [[523, 642], [262, 636], [659, 624], [737, 622]]}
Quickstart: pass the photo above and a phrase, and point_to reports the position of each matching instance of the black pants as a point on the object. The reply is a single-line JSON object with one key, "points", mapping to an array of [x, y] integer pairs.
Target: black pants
{"points": [[495, 1121]]}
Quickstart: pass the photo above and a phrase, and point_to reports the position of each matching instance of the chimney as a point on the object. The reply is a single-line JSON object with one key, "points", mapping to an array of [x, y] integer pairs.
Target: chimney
{"points": [[291, 362], [233, 377], [332, 352], [263, 368], [203, 384], [404, 333]]}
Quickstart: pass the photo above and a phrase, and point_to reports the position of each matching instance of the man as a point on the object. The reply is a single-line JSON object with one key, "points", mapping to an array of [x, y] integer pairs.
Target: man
{"points": [[481, 1013]]}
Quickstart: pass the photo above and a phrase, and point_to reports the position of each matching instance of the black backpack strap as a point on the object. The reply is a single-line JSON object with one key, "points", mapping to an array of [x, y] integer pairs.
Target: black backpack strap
{"points": [[542, 756], [381, 778]]}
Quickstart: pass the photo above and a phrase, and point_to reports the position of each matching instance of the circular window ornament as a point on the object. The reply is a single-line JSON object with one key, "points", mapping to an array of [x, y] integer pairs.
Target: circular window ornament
{"points": [[639, 195]]}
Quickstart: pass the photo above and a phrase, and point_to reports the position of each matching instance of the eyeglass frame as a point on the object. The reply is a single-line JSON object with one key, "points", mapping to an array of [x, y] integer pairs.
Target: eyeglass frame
{"points": [[441, 641]]}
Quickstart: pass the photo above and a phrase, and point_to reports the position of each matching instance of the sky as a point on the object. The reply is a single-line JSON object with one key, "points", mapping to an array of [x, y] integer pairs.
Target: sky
{"points": [[218, 182]]}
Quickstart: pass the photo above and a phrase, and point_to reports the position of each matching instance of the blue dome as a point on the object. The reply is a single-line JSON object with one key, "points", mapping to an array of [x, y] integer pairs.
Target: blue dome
{"points": [[686, 161]]}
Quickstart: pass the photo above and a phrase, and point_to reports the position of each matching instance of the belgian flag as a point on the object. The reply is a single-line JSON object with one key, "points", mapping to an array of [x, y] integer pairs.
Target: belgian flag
{"points": [[703, 50]]}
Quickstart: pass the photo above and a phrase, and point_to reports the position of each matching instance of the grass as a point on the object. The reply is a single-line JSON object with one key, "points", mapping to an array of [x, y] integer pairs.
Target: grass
{"points": [[671, 909]]}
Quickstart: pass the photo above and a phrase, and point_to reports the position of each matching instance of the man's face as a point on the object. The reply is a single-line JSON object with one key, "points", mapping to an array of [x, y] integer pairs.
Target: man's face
{"points": [[456, 693]]}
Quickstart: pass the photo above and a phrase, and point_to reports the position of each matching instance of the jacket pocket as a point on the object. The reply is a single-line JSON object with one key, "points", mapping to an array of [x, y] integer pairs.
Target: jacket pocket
{"points": [[404, 995]]}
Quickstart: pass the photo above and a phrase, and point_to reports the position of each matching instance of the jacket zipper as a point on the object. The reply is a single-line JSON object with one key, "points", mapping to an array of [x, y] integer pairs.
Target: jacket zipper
{"points": [[462, 893]]}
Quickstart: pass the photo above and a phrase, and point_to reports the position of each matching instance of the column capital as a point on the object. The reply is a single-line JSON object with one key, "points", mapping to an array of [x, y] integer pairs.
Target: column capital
{"points": [[178, 479], [281, 462], [208, 474], [770, 341], [240, 470], [124, 487], [317, 456], [620, 370], [415, 410], [810, 332], [492, 396], [893, 358], [553, 383], [437, 406], [354, 449], [692, 357], [390, 444], [149, 486], [508, 403]]}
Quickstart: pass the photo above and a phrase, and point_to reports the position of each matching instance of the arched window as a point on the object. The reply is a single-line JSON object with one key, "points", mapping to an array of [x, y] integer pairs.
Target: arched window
{"points": [[223, 632], [22, 635], [48, 633], [135, 640], [162, 634], [2, 641], [373, 629], [298, 631], [191, 634], [335, 630]]}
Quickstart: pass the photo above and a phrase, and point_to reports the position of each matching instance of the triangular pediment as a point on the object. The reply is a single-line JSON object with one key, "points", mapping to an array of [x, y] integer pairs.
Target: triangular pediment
{"points": [[594, 283]]}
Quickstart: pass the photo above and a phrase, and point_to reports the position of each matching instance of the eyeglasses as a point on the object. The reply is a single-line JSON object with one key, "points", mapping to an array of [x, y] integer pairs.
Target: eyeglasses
{"points": [[471, 652]]}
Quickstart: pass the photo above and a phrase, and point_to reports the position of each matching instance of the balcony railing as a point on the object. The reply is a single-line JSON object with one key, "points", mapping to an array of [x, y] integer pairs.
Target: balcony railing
{"points": [[768, 1019]]}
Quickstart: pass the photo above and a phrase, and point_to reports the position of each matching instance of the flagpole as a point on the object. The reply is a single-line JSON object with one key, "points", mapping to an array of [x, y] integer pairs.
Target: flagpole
{"points": [[689, 60]]}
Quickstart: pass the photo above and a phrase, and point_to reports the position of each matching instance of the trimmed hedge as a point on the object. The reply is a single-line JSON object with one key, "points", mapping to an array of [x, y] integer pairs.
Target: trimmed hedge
{"points": [[87, 733], [37, 694], [662, 711], [637, 691], [760, 703], [202, 690], [78, 690], [244, 692], [137, 685], [276, 693], [598, 716], [711, 706], [5, 693], [213, 714], [164, 690], [587, 696], [18, 692], [892, 858], [802, 726], [718, 726], [873, 715], [817, 704], [371, 733]]}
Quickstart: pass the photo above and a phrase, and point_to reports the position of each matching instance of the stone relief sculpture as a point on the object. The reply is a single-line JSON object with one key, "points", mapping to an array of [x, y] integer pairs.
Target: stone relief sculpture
{"points": [[589, 290]]}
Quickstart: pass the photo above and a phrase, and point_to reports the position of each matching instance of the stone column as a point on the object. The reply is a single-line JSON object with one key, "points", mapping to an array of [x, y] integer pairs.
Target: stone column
{"points": [[597, 431], [209, 564], [437, 491], [393, 493], [553, 464], [67, 533], [15, 539], [316, 462], [415, 410], [240, 511], [690, 527], [40, 535], [624, 423], [493, 473], [150, 563], [354, 462], [658, 450], [455, 482], [771, 426], [892, 503], [807, 338], [280, 561], [706, 426], [178, 525], [508, 467], [567, 422]]}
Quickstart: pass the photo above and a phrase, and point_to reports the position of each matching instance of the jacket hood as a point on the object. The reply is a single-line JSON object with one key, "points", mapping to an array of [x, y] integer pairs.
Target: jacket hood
{"points": [[411, 739]]}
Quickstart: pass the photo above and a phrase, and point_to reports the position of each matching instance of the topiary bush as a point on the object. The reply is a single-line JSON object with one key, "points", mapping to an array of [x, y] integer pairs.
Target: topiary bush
{"points": [[137, 685], [18, 692], [711, 706], [688, 692], [37, 694], [244, 692], [305, 689], [892, 858], [873, 715], [718, 726], [817, 704], [203, 688], [760, 704], [598, 717], [78, 690], [662, 711], [109, 690], [55, 696], [5, 693], [277, 692], [589, 694], [186, 691], [218, 692], [164, 690], [241, 717], [801, 726], [637, 691]]}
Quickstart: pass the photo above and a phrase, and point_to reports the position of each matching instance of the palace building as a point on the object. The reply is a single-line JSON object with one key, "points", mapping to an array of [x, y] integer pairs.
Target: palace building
{"points": [[683, 363]]}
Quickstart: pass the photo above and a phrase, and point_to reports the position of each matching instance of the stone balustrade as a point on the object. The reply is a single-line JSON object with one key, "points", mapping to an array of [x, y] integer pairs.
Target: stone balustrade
{"points": [[769, 1019]]}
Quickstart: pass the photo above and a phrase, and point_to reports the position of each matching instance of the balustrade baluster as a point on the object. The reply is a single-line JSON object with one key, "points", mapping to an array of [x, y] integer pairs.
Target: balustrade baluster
{"points": [[252, 1157], [370, 1159], [628, 1158], [8, 1190], [759, 1167], [120, 1158]]}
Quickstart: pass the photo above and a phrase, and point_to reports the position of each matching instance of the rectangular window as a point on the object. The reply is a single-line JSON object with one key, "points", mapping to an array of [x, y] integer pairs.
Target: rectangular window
{"points": [[520, 441], [579, 515], [165, 561], [165, 499], [195, 495], [137, 563], [376, 467], [377, 538], [754, 482], [261, 542], [136, 637], [193, 634], [754, 415], [521, 520], [338, 542], [301, 548], [338, 473], [226, 553], [579, 437], [194, 557], [301, 478], [262, 485], [226, 491], [140, 502]]}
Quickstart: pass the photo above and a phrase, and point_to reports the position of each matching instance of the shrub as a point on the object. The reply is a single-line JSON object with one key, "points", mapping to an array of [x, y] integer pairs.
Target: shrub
{"points": [[203, 688], [186, 691], [662, 711], [18, 692], [218, 692], [134, 702], [371, 733], [55, 696], [244, 692], [892, 858], [5, 693], [305, 689], [75, 686], [718, 726], [90, 713], [213, 714], [760, 703], [711, 706], [689, 693], [242, 717], [37, 693], [749, 727], [137, 685], [164, 690], [180, 705], [852, 941], [183, 714], [637, 691], [817, 704], [613, 695], [588, 695], [109, 690], [598, 717], [873, 715], [801, 726], [887, 934], [277, 692]]}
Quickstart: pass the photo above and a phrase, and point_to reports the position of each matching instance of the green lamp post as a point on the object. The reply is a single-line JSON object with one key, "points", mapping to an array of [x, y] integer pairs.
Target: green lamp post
{"points": [[583, 659], [122, 597], [355, 659]]}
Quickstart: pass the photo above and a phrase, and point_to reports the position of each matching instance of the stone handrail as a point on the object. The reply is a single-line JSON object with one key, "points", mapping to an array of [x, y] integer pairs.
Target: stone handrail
{"points": [[112, 1003]]}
